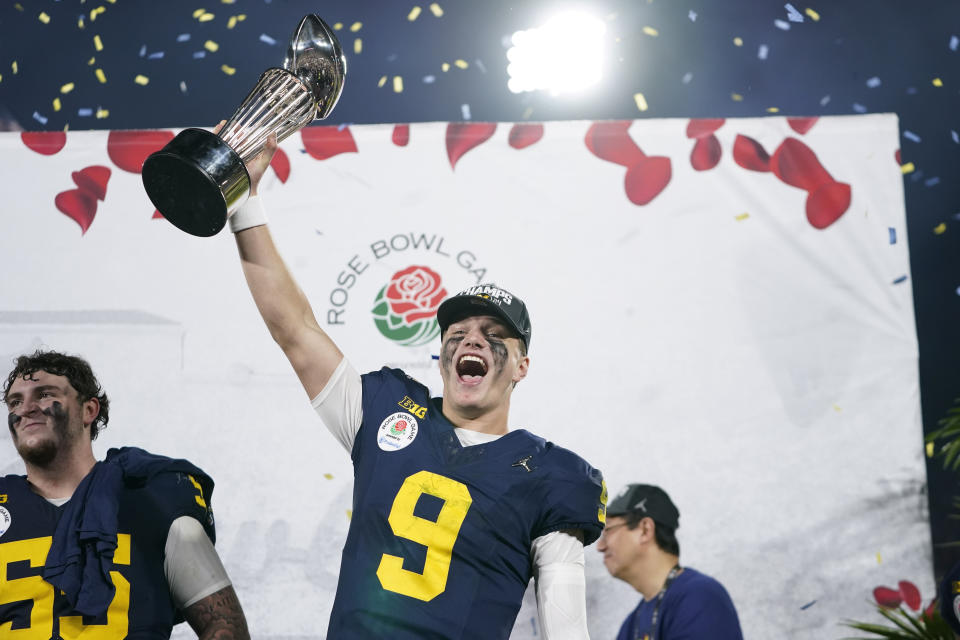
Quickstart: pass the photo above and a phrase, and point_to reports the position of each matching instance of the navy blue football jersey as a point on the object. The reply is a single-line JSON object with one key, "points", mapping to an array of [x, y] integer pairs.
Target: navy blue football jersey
{"points": [[440, 537], [141, 607]]}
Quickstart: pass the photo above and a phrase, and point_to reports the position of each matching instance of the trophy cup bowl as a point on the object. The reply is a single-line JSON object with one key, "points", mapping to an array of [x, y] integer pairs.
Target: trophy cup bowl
{"points": [[200, 178]]}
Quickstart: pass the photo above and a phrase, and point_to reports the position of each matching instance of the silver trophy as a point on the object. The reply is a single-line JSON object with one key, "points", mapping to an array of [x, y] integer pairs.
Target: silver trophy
{"points": [[199, 178]]}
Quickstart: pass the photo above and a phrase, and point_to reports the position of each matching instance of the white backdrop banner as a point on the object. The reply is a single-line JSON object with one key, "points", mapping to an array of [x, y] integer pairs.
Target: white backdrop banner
{"points": [[722, 308]]}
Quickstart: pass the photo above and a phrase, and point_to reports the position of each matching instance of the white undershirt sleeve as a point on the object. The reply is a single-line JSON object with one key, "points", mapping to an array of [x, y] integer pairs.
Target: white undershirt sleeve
{"points": [[340, 404], [191, 564], [561, 586]]}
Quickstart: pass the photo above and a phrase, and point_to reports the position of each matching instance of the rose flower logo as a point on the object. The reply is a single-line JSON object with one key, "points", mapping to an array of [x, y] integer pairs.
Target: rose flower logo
{"points": [[405, 310]]}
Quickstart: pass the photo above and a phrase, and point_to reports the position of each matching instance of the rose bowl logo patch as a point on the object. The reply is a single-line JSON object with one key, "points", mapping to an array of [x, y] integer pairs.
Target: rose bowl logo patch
{"points": [[405, 310], [5, 520], [397, 431]]}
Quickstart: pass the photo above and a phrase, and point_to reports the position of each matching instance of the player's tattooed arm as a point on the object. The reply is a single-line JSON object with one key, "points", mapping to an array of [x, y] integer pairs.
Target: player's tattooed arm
{"points": [[218, 617]]}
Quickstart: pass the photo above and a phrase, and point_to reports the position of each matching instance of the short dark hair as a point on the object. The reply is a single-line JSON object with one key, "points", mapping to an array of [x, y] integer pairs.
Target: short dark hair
{"points": [[75, 369], [665, 536]]}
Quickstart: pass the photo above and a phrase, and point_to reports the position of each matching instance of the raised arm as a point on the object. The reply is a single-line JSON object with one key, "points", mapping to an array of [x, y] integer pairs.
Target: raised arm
{"points": [[282, 304]]}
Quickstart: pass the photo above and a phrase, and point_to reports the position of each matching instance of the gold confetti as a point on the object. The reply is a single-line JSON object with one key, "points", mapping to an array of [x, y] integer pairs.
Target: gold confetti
{"points": [[97, 43], [337, 26], [461, 64], [650, 31], [228, 69], [358, 45], [100, 76], [641, 101], [445, 67], [232, 22], [837, 408], [199, 12], [736, 97], [206, 17], [56, 104], [414, 14], [95, 12], [940, 228], [436, 10], [742, 216], [91, 61], [80, 24], [44, 18], [937, 82], [228, 1], [929, 449], [67, 88], [1, 77], [879, 558], [773, 109], [18, 7], [15, 67], [210, 46], [102, 113], [527, 113], [907, 168], [813, 14], [397, 84], [356, 26], [738, 41], [383, 81], [328, 476], [142, 80], [349, 513]]}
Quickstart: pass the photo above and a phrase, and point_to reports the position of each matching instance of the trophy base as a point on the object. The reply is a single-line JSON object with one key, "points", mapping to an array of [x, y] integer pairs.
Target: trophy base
{"points": [[196, 181]]}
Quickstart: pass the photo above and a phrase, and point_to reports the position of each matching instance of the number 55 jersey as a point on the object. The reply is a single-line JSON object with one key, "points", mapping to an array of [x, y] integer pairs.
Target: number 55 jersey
{"points": [[439, 544]]}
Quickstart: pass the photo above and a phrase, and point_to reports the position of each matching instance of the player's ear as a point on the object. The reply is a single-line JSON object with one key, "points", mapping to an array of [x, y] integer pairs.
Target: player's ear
{"points": [[523, 366]]}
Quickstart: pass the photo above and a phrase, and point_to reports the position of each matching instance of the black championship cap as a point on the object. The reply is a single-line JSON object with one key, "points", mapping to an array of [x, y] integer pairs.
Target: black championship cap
{"points": [[950, 598], [486, 300], [650, 500]]}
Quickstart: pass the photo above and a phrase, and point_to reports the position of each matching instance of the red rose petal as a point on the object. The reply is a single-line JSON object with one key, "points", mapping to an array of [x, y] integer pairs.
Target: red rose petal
{"points": [[706, 153], [827, 203], [802, 125], [401, 135], [156, 215], [93, 180], [887, 597], [464, 136], [325, 142], [797, 165], [610, 141], [911, 595], [419, 315], [281, 165], [702, 127], [896, 156], [646, 179], [78, 206], [750, 154], [128, 149], [524, 135], [44, 142]]}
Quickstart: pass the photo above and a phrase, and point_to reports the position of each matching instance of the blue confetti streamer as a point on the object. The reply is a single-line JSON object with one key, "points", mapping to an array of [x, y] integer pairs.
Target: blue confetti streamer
{"points": [[808, 605], [893, 235], [465, 111], [183, 87], [859, 108], [956, 138], [687, 77], [692, 15], [199, 54], [780, 24], [916, 175], [86, 112], [956, 216], [480, 65], [762, 52], [910, 135], [143, 50], [932, 182], [902, 278], [954, 43], [155, 55], [792, 14], [873, 82], [39, 118], [434, 357], [911, 91], [183, 37], [392, 57], [429, 79], [267, 39], [824, 101]]}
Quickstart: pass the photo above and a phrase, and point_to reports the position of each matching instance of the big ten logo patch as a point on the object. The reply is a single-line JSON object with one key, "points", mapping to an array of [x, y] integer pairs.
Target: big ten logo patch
{"points": [[411, 406], [404, 307]]}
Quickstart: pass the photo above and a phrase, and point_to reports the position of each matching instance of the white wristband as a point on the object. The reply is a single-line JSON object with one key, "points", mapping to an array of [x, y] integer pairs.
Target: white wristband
{"points": [[250, 214]]}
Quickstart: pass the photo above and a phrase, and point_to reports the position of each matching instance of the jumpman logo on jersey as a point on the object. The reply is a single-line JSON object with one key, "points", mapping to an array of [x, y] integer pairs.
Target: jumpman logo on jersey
{"points": [[522, 462]]}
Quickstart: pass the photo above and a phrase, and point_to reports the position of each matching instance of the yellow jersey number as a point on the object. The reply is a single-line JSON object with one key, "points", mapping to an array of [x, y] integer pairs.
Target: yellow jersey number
{"points": [[438, 537], [35, 588]]}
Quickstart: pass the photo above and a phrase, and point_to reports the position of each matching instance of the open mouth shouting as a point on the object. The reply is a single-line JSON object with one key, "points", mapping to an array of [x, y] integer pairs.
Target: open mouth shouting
{"points": [[471, 369]]}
